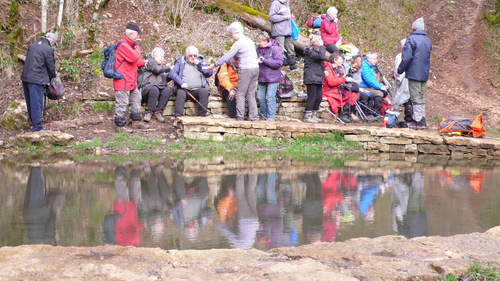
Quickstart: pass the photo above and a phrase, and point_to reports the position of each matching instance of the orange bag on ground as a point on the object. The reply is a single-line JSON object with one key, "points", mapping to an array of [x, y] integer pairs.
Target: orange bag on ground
{"points": [[457, 126]]}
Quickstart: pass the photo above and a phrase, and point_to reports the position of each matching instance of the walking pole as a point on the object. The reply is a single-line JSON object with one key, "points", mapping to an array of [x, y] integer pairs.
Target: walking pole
{"points": [[329, 111], [372, 111], [202, 106], [360, 111]]}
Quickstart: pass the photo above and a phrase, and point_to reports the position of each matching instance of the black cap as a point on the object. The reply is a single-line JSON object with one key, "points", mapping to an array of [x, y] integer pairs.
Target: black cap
{"points": [[133, 26]]}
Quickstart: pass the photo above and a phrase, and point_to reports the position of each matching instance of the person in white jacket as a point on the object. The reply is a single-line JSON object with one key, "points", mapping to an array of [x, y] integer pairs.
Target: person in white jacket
{"points": [[401, 95]]}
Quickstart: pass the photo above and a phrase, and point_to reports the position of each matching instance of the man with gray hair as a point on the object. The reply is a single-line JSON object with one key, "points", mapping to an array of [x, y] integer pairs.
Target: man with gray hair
{"points": [[416, 64], [127, 61], [190, 75], [244, 48], [39, 68]]}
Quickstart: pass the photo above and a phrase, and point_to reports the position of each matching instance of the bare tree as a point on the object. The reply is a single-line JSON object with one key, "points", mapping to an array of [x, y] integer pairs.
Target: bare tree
{"points": [[45, 7], [60, 14], [176, 10]]}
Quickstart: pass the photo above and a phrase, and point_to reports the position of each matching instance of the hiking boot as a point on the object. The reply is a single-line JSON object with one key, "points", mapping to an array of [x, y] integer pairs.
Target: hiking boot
{"points": [[123, 129], [147, 116], [316, 118], [308, 117], [139, 125], [159, 117], [346, 119]]}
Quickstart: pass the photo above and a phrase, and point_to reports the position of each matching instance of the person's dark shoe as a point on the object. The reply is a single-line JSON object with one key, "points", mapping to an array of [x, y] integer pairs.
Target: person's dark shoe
{"points": [[147, 116], [158, 117], [293, 67], [139, 125], [123, 129]]}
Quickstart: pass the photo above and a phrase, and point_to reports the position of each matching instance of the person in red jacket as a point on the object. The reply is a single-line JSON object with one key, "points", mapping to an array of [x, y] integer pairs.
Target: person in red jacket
{"points": [[330, 30], [127, 61], [335, 77]]}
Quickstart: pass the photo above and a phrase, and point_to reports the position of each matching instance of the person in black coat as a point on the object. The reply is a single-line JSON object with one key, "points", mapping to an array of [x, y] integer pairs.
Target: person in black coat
{"points": [[153, 81], [39, 69], [314, 74]]}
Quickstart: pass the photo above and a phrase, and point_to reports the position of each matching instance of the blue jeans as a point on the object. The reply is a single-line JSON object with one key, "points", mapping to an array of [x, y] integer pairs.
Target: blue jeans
{"points": [[267, 99], [34, 95]]}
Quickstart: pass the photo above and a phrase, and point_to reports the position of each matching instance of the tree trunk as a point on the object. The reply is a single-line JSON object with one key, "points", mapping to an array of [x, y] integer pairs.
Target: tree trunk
{"points": [[258, 19], [60, 14], [45, 7]]}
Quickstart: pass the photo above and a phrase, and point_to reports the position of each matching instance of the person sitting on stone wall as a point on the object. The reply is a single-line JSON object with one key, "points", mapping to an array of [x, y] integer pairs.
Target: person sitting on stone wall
{"points": [[371, 84], [190, 75], [228, 84], [153, 83]]}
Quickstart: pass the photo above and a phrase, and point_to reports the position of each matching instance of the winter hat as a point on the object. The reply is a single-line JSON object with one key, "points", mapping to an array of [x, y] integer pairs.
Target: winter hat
{"points": [[133, 26], [418, 24], [52, 37], [235, 27]]}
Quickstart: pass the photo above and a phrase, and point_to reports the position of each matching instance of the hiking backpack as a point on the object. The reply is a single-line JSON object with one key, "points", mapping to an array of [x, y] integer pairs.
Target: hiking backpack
{"points": [[314, 22], [457, 126], [108, 64], [285, 87]]}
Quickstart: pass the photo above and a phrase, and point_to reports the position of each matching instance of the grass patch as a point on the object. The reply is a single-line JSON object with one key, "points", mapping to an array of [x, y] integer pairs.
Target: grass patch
{"points": [[477, 272], [88, 145], [133, 142], [102, 107]]}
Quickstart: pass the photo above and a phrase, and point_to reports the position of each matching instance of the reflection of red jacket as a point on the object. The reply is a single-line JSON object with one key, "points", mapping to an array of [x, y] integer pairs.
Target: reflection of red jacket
{"points": [[331, 90], [329, 31], [127, 225], [127, 61]]}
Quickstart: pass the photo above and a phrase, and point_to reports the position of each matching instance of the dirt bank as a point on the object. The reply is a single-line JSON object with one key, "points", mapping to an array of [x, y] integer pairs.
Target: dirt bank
{"points": [[384, 258]]}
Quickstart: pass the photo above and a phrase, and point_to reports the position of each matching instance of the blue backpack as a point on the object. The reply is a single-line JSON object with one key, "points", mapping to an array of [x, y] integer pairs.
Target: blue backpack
{"points": [[108, 63]]}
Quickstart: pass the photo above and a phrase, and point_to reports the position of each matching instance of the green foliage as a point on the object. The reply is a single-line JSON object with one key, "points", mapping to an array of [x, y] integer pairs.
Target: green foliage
{"points": [[102, 106], [94, 61], [6, 63], [72, 68], [69, 39], [211, 9], [493, 17], [13, 15]]}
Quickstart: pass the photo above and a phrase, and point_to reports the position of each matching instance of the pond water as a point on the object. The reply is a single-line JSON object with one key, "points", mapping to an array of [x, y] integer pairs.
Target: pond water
{"points": [[220, 203]]}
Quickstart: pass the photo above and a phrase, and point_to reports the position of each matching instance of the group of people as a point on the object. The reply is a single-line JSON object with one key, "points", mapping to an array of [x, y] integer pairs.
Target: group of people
{"points": [[247, 74]]}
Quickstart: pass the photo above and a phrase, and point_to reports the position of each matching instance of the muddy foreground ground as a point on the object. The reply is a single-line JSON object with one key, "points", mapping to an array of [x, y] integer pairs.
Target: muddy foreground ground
{"points": [[384, 258]]}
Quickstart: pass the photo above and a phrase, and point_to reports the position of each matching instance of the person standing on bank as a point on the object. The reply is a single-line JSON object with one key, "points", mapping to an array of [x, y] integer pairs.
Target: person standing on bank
{"points": [[39, 68], [154, 85], [244, 48], [281, 17], [314, 74], [127, 61], [270, 63], [416, 64]]}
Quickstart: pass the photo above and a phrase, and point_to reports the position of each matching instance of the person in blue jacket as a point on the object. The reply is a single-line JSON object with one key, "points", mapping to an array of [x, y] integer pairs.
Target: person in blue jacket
{"points": [[416, 64], [370, 83]]}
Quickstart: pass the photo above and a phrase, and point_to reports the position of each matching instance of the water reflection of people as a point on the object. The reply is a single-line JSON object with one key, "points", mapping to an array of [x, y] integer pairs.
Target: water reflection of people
{"points": [[242, 234], [40, 209], [155, 194], [312, 208], [332, 190], [408, 211], [457, 180], [190, 210], [123, 227], [270, 207], [370, 187]]}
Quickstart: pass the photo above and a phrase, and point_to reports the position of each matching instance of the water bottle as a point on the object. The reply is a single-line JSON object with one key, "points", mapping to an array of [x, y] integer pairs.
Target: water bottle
{"points": [[384, 121]]}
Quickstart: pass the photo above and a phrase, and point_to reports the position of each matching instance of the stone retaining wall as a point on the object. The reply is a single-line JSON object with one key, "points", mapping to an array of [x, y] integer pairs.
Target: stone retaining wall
{"points": [[293, 107], [375, 139]]}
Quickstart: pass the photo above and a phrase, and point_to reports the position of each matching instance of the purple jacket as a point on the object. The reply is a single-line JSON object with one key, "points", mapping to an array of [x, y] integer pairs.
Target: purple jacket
{"points": [[271, 63]]}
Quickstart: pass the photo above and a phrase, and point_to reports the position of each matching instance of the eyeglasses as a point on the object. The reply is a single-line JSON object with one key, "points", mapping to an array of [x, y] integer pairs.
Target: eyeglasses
{"points": [[192, 56]]}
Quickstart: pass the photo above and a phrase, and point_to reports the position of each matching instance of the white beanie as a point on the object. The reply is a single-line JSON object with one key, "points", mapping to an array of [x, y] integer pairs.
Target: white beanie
{"points": [[418, 24], [235, 27]]}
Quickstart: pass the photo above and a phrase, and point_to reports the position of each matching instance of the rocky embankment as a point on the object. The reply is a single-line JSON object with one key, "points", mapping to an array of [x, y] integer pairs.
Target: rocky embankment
{"points": [[384, 258]]}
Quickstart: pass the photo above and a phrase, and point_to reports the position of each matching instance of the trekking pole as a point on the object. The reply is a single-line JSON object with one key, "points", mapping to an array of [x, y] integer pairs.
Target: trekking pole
{"points": [[371, 110], [202, 106], [329, 111], [360, 111], [385, 82]]}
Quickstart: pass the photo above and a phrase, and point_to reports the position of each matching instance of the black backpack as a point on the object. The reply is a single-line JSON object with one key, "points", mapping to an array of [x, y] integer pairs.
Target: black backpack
{"points": [[285, 87], [108, 64]]}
